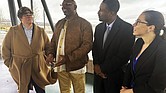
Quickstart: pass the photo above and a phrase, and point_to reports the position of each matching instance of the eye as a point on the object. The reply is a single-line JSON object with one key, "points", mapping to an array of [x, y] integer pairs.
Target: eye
{"points": [[139, 21]]}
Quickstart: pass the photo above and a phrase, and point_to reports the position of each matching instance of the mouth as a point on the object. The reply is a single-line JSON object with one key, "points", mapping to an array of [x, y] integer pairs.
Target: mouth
{"points": [[64, 10]]}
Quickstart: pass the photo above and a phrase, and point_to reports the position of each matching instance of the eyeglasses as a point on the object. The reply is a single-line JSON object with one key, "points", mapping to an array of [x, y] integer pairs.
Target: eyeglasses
{"points": [[66, 4], [139, 21], [28, 15]]}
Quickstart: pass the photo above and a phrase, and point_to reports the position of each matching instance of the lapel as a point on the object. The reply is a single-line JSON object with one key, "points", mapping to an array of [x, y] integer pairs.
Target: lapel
{"points": [[146, 54], [112, 33], [35, 39], [21, 34], [36, 36], [58, 30]]}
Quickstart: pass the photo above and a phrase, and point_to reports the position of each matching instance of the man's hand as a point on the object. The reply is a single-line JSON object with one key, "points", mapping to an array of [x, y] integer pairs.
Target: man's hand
{"points": [[49, 59], [98, 71], [61, 60]]}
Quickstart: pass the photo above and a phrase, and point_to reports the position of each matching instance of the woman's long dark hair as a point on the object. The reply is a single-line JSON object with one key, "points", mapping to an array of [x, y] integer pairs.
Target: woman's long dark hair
{"points": [[157, 19]]}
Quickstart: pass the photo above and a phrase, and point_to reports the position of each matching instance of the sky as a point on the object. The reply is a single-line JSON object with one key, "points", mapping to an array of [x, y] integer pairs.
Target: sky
{"points": [[129, 9]]}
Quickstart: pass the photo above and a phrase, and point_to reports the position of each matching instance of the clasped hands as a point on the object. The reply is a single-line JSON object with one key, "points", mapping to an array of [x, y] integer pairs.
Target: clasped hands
{"points": [[50, 60]]}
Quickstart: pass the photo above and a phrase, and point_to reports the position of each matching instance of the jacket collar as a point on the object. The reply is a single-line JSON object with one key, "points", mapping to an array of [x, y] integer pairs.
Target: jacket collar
{"points": [[20, 32], [147, 52], [111, 35]]}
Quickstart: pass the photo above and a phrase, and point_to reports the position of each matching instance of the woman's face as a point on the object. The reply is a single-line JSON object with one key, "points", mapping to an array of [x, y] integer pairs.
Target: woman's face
{"points": [[140, 26], [27, 18]]}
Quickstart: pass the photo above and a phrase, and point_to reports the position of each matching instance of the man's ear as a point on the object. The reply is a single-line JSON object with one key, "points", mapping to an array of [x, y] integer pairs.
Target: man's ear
{"points": [[75, 7]]}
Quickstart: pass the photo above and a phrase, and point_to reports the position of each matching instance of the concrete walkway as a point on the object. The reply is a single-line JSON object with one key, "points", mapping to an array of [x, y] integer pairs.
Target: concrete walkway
{"points": [[7, 85]]}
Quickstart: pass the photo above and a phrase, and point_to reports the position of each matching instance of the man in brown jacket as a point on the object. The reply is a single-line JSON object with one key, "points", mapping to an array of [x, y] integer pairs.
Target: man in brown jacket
{"points": [[23, 52], [70, 45]]}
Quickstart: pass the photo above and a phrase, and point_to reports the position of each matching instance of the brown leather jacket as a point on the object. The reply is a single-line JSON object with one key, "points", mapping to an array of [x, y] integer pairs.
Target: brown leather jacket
{"points": [[78, 41]]}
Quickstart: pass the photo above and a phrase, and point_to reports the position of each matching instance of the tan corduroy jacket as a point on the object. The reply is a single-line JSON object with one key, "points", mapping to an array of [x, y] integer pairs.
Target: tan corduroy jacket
{"points": [[24, 60]]}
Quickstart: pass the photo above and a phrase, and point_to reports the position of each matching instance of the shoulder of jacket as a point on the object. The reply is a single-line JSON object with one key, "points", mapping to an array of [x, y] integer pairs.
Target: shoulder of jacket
{"points": [[125, 23], [83, 20], [14, 28]]}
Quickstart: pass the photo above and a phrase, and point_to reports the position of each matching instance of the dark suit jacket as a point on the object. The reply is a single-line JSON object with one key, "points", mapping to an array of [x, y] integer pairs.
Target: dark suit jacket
{"points": [[150, 70], [117, 47]]}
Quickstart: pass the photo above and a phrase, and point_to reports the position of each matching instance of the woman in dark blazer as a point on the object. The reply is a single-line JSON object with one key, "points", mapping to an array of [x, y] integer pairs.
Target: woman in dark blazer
{"points": [[147, 70]]}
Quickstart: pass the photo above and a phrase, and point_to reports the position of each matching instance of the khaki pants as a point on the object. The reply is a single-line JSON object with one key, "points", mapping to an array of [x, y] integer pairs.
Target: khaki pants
{"points": [[65, 79]]}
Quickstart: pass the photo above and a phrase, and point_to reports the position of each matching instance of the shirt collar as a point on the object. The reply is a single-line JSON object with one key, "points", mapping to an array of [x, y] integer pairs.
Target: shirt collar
{"points": [[26, 28], [110, 25]]}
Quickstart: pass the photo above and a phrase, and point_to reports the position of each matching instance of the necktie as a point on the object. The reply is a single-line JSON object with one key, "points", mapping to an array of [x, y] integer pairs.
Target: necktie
{"points": [[105, 35]]}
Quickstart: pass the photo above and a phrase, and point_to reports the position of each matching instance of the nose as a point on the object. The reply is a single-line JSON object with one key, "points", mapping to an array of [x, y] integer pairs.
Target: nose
{"points": [[98, 12]]}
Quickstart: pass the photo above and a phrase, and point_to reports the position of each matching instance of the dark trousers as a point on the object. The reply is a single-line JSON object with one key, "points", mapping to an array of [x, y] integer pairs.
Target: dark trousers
{"points": [[37, 88], [105, 85]]}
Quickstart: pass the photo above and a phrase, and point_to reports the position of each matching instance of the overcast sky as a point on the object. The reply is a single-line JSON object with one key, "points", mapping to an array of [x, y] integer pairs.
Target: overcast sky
{"points": [[129, 9]]}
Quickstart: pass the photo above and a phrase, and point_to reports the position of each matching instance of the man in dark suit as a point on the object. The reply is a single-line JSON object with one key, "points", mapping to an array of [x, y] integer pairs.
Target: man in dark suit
{"points": [[111, 48]]}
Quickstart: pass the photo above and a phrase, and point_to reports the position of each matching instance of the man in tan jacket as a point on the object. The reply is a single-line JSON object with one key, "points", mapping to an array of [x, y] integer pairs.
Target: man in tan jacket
{"points": [[70, 44], [23, 52]]}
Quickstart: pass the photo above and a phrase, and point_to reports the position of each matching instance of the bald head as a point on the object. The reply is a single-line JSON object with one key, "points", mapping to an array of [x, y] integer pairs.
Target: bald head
{"points": [[70, 1]]}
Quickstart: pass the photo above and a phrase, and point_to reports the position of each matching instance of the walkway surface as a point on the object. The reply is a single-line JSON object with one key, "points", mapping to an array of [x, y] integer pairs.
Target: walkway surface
{"points": [[7, 85]]}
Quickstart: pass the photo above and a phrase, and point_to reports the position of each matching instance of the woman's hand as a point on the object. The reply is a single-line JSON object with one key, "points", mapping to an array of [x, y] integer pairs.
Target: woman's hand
{"points": [[125, 90]]}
